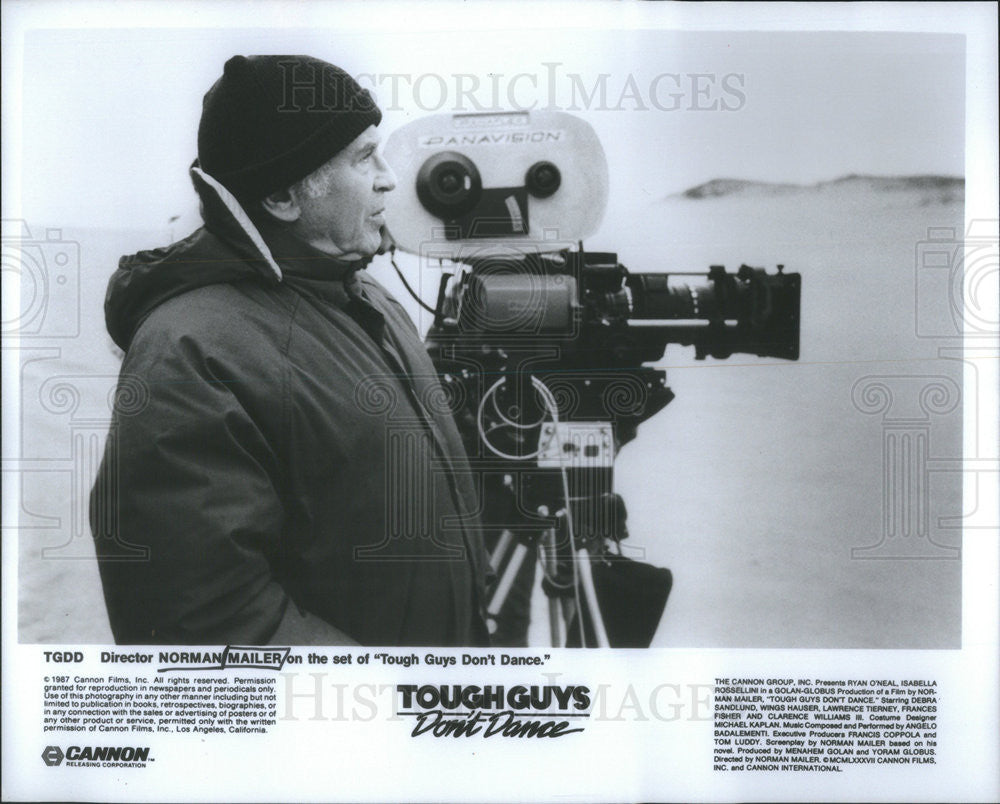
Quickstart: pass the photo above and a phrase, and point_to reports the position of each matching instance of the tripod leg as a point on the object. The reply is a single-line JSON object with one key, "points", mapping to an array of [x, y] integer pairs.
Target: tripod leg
{"points": [[563, 610], [503, 545], [507, 581], [557, 637], [587, 582]]}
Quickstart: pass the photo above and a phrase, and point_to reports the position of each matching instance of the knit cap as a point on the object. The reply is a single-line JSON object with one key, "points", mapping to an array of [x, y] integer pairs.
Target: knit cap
{"points": [[270, 121]]}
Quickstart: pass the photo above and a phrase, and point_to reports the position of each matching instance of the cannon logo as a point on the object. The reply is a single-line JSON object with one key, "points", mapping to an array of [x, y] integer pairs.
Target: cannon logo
{"points": [[52, 755], [98, 756]]}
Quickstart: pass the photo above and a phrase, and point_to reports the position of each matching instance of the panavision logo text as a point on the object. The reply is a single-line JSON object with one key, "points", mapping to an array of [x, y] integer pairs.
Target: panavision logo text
{"points": [[97, 756]]}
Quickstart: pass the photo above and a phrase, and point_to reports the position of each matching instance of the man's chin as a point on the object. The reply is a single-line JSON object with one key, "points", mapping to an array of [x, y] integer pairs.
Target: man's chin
{"points": [[371, 246], [362, 251]]}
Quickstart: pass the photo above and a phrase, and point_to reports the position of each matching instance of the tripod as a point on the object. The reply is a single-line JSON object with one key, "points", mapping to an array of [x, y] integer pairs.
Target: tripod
{"points": [[580, 457], [563, 608]]}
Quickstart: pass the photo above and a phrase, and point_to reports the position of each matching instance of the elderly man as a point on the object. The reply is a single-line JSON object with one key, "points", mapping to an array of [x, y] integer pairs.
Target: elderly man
{"points": [[288, 472]]}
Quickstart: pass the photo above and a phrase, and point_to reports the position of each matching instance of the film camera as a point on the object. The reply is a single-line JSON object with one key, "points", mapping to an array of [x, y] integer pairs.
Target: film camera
{"points": [[543, 346]]}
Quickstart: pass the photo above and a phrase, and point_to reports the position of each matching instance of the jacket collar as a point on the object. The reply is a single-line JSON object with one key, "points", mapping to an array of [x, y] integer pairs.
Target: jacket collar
{"points": [[297, 258], [268, 242], [225, 217]]}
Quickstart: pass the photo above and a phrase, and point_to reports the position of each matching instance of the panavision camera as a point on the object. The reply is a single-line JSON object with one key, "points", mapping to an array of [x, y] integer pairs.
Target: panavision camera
{"points": [[542, 345]]}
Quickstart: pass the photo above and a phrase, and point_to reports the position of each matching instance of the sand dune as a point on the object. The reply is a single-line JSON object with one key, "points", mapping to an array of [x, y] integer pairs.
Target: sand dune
{"points": [[940, 189]]}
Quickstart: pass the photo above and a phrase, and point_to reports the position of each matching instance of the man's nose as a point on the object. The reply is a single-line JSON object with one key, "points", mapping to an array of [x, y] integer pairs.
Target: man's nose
{"points": [[386, 179]]}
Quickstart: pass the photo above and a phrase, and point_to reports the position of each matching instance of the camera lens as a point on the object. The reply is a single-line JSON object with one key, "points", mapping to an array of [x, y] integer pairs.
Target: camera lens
{"points": [[449, 185], [542, 179]]}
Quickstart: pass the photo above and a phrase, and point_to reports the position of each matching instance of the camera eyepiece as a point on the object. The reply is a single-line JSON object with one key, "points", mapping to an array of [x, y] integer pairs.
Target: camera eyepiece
{"points": [[542, 179], [449, 185]]}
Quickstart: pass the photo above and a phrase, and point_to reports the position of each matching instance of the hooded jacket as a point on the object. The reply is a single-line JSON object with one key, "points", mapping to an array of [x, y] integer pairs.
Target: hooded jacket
{"points": [[282, 460]]}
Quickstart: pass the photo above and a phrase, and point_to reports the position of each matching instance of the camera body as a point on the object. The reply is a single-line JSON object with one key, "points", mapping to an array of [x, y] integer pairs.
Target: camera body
{"points": [[544, 346], [586, 327], [507, 198]]}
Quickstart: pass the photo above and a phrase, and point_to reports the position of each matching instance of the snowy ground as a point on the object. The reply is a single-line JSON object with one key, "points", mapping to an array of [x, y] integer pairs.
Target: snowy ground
{"points": [[753, 486]]}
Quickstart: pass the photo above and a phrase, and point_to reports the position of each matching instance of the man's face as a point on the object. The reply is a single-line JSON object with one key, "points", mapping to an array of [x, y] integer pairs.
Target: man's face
{"points": [[342, 203]]}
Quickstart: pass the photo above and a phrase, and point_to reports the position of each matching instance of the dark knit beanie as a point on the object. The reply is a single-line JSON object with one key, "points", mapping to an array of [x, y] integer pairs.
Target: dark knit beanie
{"points": [[270, 121]]}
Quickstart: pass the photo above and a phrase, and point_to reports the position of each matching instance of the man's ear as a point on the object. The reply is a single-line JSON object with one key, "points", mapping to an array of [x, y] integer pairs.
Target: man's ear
{"points": [[283, 206]]}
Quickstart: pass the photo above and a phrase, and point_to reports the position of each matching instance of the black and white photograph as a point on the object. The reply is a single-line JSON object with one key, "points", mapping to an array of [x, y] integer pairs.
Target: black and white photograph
{"points": [[629, 367]]}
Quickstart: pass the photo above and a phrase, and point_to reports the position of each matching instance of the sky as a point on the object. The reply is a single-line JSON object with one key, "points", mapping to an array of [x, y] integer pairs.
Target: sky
{"points": [[110, 116]]}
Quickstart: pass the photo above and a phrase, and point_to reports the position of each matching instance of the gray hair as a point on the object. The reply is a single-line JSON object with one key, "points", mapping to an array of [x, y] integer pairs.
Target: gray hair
{"points": [[316, 183]]}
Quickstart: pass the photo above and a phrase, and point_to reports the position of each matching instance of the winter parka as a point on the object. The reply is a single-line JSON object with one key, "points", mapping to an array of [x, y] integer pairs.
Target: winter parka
{"points": [[282, 460]]}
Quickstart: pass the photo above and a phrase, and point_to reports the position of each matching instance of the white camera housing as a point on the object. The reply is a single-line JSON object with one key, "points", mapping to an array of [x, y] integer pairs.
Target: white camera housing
{"points": [[495, 186]]}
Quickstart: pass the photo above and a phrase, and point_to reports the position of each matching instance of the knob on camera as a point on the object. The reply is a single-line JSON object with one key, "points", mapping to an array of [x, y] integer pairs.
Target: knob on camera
{"points": [[542, 179], [449, 185]]}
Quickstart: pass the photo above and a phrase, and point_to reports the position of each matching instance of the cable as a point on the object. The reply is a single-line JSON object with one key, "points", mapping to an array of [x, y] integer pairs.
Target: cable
{"points": [[553, 407], [542, 557], [416, 298], [482, 430], [509, 422]]}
